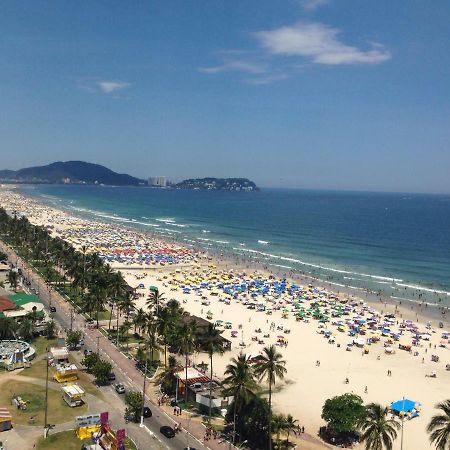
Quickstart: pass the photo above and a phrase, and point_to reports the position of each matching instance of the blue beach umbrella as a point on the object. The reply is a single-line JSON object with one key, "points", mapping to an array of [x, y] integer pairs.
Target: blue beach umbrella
{"points": [[404, 405]]}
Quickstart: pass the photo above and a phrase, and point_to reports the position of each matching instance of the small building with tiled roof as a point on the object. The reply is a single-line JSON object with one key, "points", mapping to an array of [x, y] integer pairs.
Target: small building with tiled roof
{"points": [[6, 304], [25, 304], [198, 384]]}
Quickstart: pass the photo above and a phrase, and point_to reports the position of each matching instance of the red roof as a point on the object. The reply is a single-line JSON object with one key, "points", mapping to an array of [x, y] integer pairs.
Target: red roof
{"points": [[6, 304], [196, 380]]}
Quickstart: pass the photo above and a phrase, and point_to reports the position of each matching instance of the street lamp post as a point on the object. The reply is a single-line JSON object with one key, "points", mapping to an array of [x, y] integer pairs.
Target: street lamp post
{"points": [[143, 391], [402, 419], [46, 399]]}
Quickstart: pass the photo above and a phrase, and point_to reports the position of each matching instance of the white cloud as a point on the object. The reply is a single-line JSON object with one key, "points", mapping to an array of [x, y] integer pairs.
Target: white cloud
{"points": [[319, 43], [236, 66], [312, 5], [112, 86], [268, 79]]}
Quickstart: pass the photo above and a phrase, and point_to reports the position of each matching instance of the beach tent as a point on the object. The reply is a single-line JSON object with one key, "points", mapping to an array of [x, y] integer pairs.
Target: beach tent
{"points": [[403, 405]]}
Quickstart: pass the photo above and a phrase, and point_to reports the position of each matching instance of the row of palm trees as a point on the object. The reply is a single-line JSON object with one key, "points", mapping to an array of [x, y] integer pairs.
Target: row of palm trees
{"points": [[93, 283]]}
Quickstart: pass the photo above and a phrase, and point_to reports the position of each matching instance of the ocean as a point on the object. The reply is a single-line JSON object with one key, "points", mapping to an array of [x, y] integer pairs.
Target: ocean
{"points": [[394, 244]]}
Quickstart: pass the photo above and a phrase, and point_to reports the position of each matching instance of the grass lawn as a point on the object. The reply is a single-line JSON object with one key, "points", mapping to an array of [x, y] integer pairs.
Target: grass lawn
{"points": [[68, 440], [89, 387], [38, 370], [41, 343], [34, 395]]}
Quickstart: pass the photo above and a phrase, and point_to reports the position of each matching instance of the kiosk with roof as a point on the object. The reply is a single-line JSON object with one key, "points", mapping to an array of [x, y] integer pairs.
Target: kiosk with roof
{"points": [[73, 395], [65, 373]]}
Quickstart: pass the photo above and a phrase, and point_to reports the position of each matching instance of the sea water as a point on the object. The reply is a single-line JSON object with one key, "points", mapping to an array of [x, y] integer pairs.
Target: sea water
{"points": [[395, 244]]}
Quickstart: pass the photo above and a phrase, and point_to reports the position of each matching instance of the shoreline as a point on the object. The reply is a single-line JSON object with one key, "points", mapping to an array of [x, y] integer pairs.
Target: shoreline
{"points": [[306, 384], [416, 310], [339, 276]]}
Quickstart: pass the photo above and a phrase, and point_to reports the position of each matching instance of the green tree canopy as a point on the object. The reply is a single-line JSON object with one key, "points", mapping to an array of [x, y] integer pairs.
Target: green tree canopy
{"points": [[73, 339], [101, 370], [252, 424], [343, 413], [50, 329], [90, 361], [133, 400]]}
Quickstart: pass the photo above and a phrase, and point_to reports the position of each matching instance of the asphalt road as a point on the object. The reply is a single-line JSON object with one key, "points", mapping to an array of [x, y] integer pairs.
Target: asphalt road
{"points": [[147, 437]]}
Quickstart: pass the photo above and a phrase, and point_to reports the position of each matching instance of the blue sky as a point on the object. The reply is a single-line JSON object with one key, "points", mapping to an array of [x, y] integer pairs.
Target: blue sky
{"points": [[334, 94]]}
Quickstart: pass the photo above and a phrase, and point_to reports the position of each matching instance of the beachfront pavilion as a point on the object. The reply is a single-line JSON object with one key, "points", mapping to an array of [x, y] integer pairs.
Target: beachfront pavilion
{"points": [[198, 385], [24, 304], [202, 324]]}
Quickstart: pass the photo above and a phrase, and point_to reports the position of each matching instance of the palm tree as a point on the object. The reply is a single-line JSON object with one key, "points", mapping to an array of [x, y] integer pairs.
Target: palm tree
{"points": [[8, 328], [13, 279], [98, 299], [290, 425], [139, 319], [186, 343], [26, 329], [124, 304], [240, 382], [439, 427], [50, 329], [124, 329], [176, 311], [270, 367], [211, 341], [155, 299], [378, 431], [278, 425], [165, 323], [116, 289], [171, 367], [151, 342]]}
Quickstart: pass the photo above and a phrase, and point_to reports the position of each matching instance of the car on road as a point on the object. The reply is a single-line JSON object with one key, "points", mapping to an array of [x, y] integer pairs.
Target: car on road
{"points": [[87, 352], [120, 388], [111, 376], [52, 309], [147, 412], [167, 431], [189, 448]]}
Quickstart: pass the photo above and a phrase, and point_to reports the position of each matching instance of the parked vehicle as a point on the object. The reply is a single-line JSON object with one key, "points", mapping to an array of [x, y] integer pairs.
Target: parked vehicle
{"points": [[111, 376]]}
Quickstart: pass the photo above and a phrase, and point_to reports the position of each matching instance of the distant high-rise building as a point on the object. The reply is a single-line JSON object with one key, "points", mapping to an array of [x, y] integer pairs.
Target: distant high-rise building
{"points": [[157, 181]]}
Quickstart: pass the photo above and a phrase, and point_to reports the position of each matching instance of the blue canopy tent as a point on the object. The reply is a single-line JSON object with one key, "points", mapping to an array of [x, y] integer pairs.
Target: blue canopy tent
{"points": [[404, 405]]}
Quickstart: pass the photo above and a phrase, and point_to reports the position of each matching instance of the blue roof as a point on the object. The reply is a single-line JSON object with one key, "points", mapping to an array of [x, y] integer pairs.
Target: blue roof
{"points": [[404, 405]]}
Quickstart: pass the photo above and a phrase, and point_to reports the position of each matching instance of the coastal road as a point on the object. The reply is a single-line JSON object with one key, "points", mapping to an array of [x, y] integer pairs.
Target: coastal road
{"points": [[147, 437]]}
